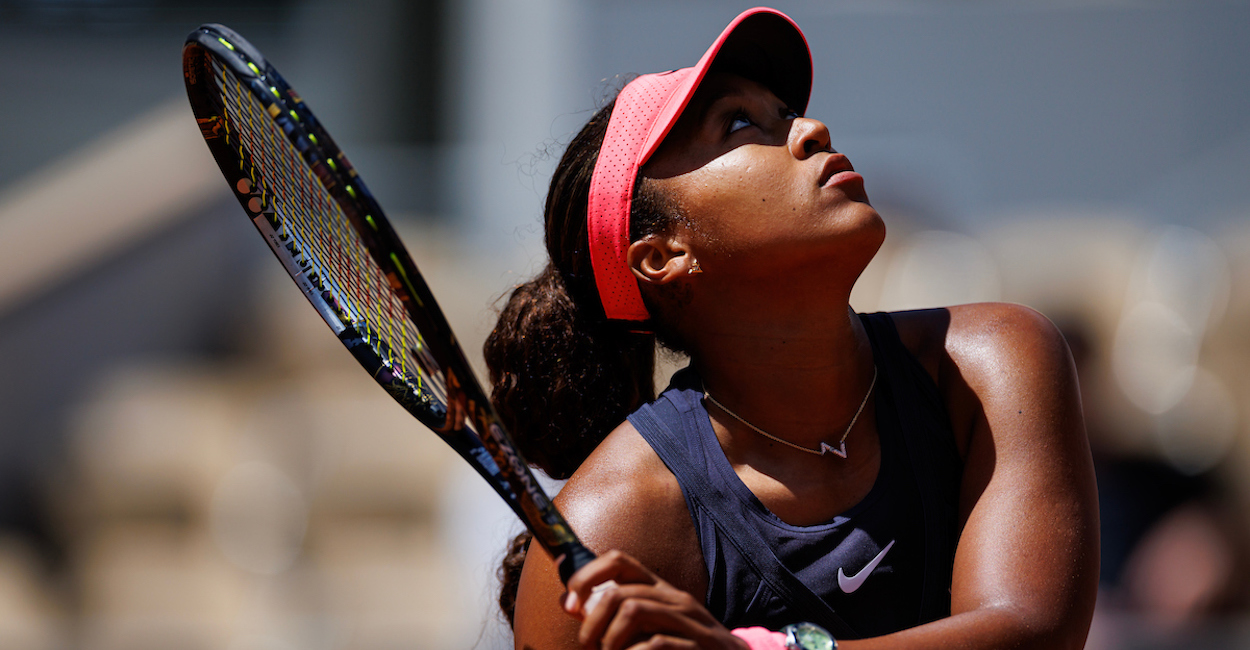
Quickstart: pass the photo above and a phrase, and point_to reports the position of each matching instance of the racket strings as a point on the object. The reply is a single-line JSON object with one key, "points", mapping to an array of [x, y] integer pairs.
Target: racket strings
{"points": [[322, 239]]}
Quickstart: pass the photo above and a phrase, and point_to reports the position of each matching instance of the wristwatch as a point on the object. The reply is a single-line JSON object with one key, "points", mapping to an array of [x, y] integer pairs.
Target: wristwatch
{"points": [[808, 636]]}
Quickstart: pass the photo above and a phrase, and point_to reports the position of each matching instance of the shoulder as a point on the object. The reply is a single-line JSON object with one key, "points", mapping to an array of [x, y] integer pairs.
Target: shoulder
{"points": [[986, 355], [981, 339], [624, 497], [995, 323], [995, 347], [968, 332], [622, 470]]}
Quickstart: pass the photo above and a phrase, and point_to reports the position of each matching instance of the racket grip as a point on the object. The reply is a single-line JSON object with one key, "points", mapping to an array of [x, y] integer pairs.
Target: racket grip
{"points": [[575, 557]]}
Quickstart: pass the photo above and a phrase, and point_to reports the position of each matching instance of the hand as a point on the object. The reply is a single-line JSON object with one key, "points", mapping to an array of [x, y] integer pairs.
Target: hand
{"points": [[631, 607]]}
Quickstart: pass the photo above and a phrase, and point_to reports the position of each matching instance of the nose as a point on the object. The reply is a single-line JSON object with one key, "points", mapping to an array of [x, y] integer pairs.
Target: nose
{"points": [[808, 136]]}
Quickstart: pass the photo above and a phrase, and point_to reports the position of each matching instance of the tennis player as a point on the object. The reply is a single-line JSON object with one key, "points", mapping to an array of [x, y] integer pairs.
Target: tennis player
{"points": [[815, 478]]}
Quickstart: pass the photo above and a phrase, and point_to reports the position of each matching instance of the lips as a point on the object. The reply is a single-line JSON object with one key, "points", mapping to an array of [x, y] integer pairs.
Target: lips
{"points": [[836, 168], [837, 173]]}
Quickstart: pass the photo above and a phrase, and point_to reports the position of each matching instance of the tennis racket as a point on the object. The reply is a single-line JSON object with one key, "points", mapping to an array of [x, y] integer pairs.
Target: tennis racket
{"points": [[331, 236]]}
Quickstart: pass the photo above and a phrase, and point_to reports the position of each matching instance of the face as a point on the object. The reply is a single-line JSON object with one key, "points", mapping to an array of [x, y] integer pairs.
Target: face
{"points": [[755, 181]]}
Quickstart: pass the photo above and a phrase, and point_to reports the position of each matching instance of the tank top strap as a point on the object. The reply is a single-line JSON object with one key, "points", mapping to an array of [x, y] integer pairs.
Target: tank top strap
{"points": [[663, 426]]}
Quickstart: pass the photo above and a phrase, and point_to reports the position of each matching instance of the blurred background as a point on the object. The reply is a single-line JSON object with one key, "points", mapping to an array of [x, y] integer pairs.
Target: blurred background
{"points": [[188, 459]]}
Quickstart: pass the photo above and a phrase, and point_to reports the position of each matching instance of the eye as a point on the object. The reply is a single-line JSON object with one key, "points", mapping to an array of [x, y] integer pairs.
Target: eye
{"points": [[789, 114], [739, 121]]}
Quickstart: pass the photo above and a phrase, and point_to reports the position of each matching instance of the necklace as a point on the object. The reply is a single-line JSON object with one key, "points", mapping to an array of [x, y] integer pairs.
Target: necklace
{"points": [[824, 446]]}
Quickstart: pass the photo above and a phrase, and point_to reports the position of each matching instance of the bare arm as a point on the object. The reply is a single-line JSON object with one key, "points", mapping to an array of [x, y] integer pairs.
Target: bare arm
{"points": [[1026, 567]]}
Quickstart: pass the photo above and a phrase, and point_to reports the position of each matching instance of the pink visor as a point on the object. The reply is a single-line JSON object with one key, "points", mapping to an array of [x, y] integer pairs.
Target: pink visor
{"points": [[760, 44]]}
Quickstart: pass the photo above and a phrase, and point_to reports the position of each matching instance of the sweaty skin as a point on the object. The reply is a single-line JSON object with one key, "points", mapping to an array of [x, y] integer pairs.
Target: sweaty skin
{"points": [[782, 230]]}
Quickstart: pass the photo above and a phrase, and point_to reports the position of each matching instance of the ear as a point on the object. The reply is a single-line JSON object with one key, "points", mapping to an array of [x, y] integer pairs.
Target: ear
{"points": [[658, 259]]}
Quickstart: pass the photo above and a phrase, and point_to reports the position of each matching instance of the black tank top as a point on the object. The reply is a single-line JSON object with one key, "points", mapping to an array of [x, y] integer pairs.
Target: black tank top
{"points": [[883, 565]]}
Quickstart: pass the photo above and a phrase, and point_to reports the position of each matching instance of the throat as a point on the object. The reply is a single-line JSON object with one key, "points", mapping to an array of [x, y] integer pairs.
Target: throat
{"points": [[824, 447]]}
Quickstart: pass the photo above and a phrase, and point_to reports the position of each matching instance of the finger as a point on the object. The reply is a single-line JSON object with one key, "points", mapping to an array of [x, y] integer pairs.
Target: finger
{"points": [[613, 565], [637, 619], [664, 642], [610, 600], [660, 591]]}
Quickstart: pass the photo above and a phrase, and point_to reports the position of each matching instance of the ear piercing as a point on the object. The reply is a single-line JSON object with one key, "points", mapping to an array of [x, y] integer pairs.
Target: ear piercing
{"points": [[694, 268]]}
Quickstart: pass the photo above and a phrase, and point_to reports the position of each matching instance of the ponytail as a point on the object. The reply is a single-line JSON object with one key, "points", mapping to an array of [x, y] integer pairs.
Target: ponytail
{"points": [[562, 379], [510, 575]]}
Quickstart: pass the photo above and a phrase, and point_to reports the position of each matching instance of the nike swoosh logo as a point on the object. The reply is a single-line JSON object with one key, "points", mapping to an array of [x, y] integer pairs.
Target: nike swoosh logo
{"points": [[850, 584]]}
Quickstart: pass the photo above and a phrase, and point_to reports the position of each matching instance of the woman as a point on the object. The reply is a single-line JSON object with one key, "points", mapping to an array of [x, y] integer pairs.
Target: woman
{"points": [[916, 479]]}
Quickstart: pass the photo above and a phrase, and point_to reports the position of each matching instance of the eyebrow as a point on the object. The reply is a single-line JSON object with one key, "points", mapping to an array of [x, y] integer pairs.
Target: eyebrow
{"points": [[730, 93], [705, 109]]}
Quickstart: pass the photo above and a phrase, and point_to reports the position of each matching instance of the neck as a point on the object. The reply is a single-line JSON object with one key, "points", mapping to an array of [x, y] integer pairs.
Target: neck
{"points": [[801, 383]]}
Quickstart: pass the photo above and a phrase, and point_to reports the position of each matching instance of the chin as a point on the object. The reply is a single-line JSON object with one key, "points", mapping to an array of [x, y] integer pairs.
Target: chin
{"points": [[867, 222], [878, 224], [868, 235]]}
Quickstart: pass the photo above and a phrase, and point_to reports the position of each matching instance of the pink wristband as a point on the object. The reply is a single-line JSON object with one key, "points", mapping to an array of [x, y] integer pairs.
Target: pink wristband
{"points": [[759, 638]]}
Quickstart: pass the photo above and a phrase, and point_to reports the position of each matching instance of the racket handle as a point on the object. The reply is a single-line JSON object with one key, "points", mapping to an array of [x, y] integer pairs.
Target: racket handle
{"points": [[575, 557]]}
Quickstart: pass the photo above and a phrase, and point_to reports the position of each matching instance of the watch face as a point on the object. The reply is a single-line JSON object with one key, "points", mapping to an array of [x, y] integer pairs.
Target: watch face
{"points": [[808, 636]]}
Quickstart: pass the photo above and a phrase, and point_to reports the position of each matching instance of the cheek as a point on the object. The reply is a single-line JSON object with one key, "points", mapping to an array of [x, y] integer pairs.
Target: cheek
{"points": [[737, 200], [741, 173], [731, 184]]}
